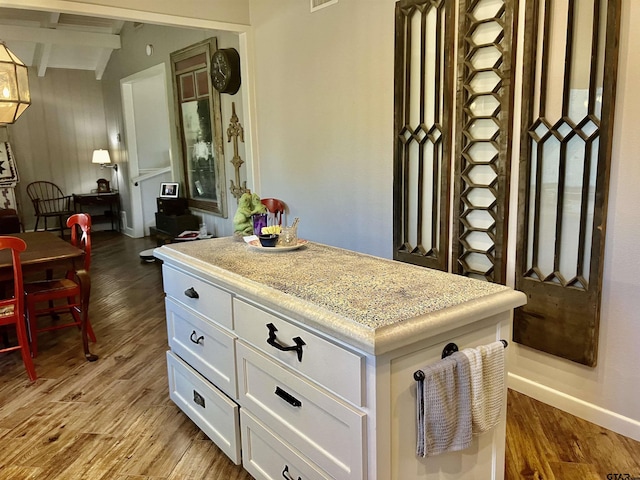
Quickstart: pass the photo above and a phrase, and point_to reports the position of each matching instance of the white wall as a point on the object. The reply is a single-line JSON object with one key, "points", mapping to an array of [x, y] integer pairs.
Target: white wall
{"points": [[55, 137], [324, 95]]}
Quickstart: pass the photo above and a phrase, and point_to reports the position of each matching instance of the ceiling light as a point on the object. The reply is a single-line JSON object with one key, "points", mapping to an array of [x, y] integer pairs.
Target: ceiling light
{"points": [[14, 86]]}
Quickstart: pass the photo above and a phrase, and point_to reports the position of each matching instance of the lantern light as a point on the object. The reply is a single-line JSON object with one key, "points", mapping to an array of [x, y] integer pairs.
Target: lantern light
{"points": [[14, 86]]}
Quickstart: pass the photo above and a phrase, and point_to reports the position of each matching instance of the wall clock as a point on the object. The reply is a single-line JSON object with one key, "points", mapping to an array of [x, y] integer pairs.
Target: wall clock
{"points": [[225, 70]]}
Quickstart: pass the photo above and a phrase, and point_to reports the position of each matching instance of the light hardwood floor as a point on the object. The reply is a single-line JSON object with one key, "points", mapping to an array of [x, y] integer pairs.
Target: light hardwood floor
{"points": [[113, 419]]}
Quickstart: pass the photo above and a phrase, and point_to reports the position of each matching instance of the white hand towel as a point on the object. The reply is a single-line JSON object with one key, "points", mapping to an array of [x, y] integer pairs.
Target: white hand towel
{"points": [[487, 384], [444, 407]]}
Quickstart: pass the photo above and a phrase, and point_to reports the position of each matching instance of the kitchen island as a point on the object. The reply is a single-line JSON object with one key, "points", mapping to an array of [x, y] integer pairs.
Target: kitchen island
{"points": [[299, 364]]}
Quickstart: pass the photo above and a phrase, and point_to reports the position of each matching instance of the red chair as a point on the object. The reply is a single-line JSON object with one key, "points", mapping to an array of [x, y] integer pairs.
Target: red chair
{"points": [[67, 289], [276, 208], [12, 309]]}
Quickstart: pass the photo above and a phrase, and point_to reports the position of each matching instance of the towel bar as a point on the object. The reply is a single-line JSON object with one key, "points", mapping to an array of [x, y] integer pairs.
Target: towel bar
{"points": [[449, 349]]}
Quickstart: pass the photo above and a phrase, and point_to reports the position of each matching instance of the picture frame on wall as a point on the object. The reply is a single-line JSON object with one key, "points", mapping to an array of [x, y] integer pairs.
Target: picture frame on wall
{"points": [[169, 190]]}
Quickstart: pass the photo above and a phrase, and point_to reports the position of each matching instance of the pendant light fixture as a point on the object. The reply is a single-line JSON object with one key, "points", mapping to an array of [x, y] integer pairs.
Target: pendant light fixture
{"points": [[14, 86]]}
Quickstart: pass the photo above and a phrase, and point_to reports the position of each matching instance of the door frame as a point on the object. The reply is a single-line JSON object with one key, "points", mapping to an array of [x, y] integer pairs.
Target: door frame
{"points": [[137, 228]]}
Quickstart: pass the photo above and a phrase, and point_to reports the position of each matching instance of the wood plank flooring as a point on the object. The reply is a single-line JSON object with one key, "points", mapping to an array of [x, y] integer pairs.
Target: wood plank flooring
{"points": [[113, 419], [544, 443]]}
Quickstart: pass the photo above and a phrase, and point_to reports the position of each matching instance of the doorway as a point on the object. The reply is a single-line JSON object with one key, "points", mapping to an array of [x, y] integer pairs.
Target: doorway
{"points": [[146, 121]]}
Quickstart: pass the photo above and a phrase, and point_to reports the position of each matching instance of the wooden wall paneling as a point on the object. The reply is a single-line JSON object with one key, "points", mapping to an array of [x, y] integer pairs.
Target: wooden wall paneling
{"points": [[55, 137], [567, 123], [422, 131], [483, 142]]}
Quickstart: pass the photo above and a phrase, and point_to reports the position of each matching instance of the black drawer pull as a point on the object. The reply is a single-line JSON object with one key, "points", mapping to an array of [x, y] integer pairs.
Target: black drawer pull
{"points": [[286, 474], [195, 339], [287, 397], [191, 293], [273, 341], [198, 399]]}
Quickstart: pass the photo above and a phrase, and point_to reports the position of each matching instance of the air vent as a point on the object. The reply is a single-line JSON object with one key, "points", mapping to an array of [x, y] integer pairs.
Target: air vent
{"points": [[318, 4]]}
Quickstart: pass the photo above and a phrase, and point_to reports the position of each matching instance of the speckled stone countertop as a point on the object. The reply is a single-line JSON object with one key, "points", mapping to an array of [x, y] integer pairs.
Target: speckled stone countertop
{"points": [[372, 303]]}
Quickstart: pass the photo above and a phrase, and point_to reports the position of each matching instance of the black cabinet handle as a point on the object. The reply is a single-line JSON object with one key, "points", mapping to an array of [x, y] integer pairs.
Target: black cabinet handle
{"points": [[286, 474], [198, 399], [196, 339], [273, 341], [191, 293], [287, 397]]}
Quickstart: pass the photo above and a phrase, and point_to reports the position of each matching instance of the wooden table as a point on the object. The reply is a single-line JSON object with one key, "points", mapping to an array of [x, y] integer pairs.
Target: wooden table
{"points": [[106, 199], [45, 251]]}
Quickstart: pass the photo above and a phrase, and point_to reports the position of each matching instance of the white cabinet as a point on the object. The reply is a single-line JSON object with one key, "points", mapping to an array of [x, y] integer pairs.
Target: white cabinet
{"points": [[323, 428], [201, 296], [210, 409], [305, 377], [207, 347], [264, 455], [335, 368]]}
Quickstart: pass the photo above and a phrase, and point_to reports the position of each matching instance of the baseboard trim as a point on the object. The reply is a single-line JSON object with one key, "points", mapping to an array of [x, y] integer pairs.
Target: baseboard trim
{"points": [[585, 410]]}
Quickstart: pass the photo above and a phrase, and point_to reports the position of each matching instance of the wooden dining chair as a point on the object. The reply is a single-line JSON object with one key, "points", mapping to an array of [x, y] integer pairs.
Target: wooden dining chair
{"points": [[276, 208], [49, 202], [65, 289], [12, 304]]}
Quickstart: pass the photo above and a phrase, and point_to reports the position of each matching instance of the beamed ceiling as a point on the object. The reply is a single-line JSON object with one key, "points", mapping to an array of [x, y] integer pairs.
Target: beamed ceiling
{"points": [[60, 40]]}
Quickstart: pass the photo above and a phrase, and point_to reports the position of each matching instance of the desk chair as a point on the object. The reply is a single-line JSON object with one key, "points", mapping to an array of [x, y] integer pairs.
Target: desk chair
{"points": [[67, 289], [49, 201], [276, 208], [12, 308]]}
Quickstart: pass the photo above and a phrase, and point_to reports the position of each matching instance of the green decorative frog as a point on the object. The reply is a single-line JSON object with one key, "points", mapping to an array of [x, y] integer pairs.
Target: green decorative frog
{"points": [[247, 206]]}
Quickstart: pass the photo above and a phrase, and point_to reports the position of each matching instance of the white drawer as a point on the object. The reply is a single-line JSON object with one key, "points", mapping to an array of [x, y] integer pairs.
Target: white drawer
{"points": [[266, 456], [334, 367], [327, 430], [206, 347], [203, 297], [210, 409]]}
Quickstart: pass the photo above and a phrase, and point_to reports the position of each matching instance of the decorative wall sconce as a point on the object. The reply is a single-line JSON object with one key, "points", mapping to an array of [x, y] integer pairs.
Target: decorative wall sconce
{"points": [[14, 86], [234, 131], [102, 157]]}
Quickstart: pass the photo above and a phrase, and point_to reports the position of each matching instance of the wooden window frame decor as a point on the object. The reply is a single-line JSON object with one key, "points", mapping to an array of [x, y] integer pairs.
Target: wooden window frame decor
{"points": [[199, 122], [483, 139], [565, 155], [423, 76]]}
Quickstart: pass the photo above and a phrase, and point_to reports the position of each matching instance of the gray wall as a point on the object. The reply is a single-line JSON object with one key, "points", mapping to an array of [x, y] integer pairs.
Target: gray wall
{"points": [[132, 58], [55, 137]]}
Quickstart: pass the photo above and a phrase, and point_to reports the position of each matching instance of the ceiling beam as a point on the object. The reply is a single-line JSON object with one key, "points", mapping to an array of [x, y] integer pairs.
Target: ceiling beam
{"points": [[60, 37], [53, 18], [43, 53], [103, 60]]}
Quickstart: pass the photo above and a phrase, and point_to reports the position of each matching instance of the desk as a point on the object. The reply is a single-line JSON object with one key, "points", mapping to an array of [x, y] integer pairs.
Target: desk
{"points": [[44, 251], [110, 199]]}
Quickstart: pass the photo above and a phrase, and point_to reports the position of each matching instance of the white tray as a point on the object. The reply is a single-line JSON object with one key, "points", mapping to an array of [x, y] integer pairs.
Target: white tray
{"points": [[255, 244]]}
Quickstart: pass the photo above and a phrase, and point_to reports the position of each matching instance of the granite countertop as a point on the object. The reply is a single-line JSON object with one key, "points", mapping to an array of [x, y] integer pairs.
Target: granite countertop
{"points": [[371, 302]]}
